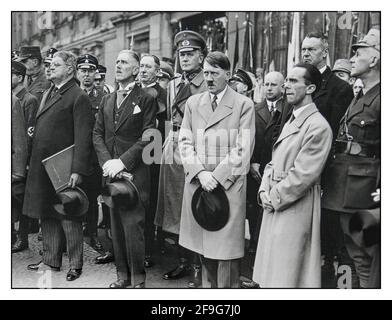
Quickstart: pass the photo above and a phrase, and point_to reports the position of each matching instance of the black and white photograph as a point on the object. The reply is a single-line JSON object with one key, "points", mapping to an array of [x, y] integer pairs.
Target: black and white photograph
{"points": [[195, 150]]}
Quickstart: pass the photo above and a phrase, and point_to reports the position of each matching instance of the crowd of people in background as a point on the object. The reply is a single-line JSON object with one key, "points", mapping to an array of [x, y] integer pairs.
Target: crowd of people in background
{"points": [[295, 159]]}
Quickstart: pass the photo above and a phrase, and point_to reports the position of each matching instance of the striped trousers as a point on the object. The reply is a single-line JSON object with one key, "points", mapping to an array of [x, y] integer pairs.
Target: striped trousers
{"points": [[53, 232], [220, 273]]}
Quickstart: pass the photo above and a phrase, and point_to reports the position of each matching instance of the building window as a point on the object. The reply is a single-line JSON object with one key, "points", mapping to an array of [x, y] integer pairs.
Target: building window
{"points": [[139, 43]]}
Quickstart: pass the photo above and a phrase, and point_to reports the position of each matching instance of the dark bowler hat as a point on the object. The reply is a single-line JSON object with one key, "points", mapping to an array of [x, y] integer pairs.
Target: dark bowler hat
{"points": [[100, 73], [371, 40], [49, 55], [210, 209], [73, 202], [242, 76], [18, 68], [188, 41], [121, 193], [87, 61], [29, 52]]}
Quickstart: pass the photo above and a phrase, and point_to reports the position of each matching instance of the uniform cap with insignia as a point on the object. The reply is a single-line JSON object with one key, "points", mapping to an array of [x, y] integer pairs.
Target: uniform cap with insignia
{"points": [[166, 71], [100, 73], [18, 68], [371, 40], [188, 41], [342, 65], [49, 55], [242, 76], [87, 61], [29, 52]]}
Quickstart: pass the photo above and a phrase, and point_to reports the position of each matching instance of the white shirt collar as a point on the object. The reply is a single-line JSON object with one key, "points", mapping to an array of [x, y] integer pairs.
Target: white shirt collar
{"points": [[128, 87], [323, 69], [148, 86], [298, 111], [218, 96]]}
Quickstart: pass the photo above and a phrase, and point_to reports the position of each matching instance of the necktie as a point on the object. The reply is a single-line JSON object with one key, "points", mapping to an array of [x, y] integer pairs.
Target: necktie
{"points": [[121, 94], [213, 103], [292, 118]]}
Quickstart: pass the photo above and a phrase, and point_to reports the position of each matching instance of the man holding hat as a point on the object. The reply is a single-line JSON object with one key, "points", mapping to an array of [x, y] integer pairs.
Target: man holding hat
{"points": [[354, 171], [191, 48], [29, 106], [63, 119], [216, 142], [125, 119], [36, 82], [86, 69]]}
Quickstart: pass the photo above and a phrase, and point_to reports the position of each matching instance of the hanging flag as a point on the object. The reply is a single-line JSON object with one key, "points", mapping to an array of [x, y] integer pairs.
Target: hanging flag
{"points": [[132, 42], [226, 37], [327, 23], [246, 51], [236, 45], [267, 38], [293, 55]]}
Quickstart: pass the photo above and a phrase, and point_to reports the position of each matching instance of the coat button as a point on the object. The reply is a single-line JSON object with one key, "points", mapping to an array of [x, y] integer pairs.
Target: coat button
{"points": [[362, 123]]}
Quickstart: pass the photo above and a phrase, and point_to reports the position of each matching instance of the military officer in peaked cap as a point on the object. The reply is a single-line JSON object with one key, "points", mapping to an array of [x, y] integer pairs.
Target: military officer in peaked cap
{"points": [[191, 49], [100, 77], [47, 60], [354, 172], [86, 69], [241, 82], [35, 82], [165, 74]]}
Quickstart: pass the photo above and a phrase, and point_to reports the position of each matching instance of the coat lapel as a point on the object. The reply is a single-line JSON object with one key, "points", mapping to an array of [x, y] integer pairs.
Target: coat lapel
{"points": [[130, 102], [223, 110], [366, 100], [294, 127], [205, 108], [264, 112]]}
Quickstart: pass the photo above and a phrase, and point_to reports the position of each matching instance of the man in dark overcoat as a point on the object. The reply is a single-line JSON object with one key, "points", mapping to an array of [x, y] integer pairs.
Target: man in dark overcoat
{"points": [[63, 119], [125, 117]]}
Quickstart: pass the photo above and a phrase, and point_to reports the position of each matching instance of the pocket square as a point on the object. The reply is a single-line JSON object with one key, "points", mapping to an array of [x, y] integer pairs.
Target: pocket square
{"points": [[136, 110]]}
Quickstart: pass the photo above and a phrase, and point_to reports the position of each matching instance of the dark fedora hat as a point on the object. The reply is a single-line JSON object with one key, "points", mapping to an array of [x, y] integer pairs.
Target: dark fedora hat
{"points": [[210, 209], [121, 193], [72, 202], [29, 52]]}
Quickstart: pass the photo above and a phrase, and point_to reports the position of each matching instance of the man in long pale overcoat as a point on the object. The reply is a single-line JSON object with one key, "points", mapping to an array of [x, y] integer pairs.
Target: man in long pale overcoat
{"points": [[288, 253], [216, 142]]}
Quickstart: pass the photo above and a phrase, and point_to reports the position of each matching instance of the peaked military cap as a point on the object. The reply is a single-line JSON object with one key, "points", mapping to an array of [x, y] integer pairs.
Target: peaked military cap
{"points": [[29, 52], [100, 73], [18, 68], [188, 41], [87, 61], [49, 55], [342, 65], [166, 71], [371, 40], [242, 76]]}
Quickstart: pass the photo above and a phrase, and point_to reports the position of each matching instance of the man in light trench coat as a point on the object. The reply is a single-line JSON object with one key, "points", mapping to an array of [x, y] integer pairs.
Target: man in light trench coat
{"points": [[288, 253], [219, 113]]}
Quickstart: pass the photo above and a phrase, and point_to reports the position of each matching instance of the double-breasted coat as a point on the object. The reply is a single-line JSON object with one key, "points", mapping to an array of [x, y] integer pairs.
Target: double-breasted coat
{"points": [[221, 142], [64, 118], [288, 253], [171, 176]]}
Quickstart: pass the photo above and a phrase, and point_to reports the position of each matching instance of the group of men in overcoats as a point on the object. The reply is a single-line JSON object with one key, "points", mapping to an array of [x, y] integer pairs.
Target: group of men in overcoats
{"points": [[222, 158]]}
